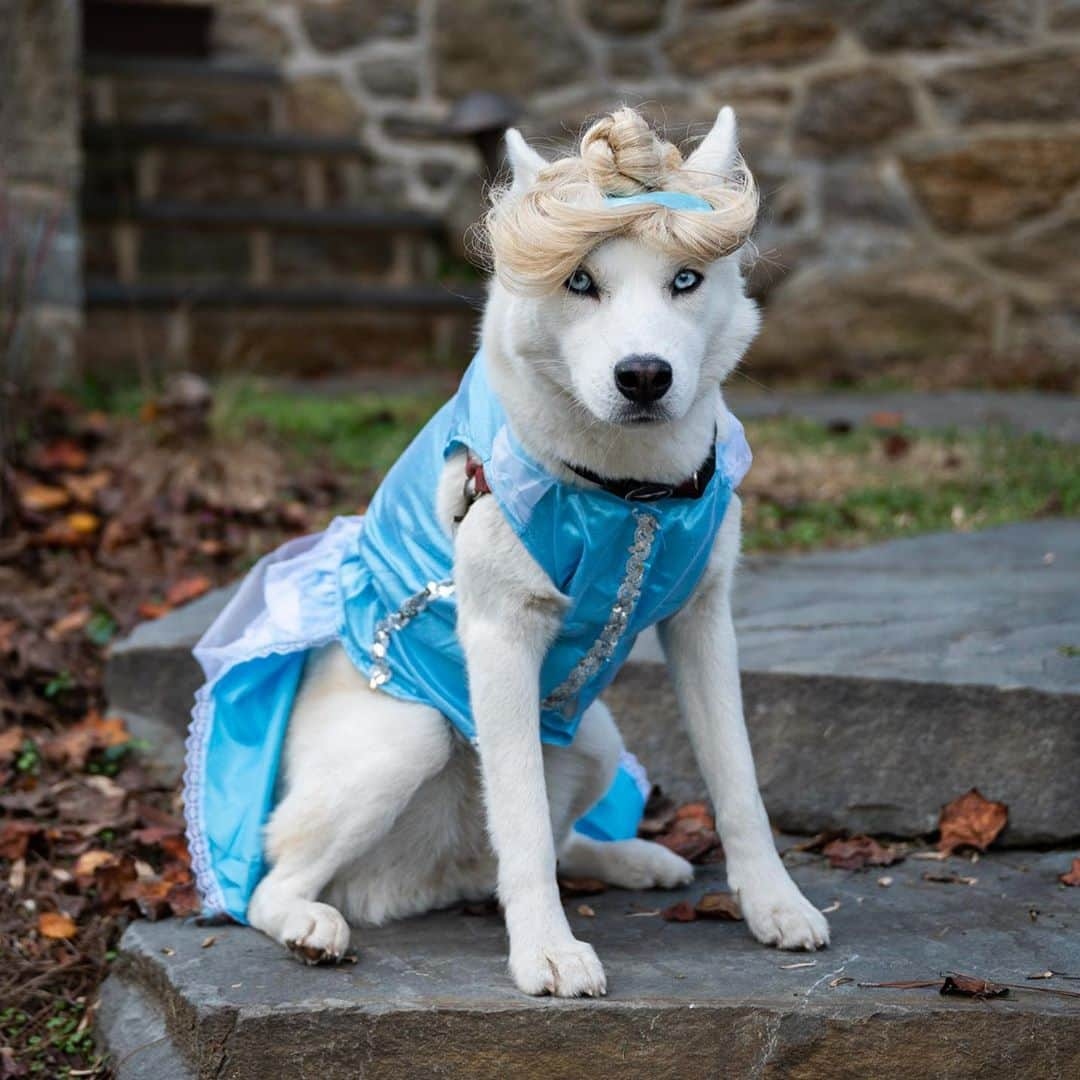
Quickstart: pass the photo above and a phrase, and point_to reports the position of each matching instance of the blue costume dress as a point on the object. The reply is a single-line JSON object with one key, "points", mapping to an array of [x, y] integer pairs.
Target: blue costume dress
{"points": [[381, 585]]}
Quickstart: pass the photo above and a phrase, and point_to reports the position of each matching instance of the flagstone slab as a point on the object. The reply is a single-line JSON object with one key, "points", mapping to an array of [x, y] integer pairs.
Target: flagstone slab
{"points": [[879, 683], [431, 996]]}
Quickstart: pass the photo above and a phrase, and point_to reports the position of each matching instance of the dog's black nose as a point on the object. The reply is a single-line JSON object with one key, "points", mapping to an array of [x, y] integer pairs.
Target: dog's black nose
{"points": [[643, 378]]}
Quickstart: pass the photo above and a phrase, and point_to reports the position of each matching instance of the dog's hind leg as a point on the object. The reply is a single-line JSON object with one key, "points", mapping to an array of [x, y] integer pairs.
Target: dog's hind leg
{"points": [[578, 776], [353, 760]]}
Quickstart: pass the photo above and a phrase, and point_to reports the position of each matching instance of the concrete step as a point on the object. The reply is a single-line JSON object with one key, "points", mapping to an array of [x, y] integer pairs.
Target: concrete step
{"points": [[431, 997], [879, 684]]}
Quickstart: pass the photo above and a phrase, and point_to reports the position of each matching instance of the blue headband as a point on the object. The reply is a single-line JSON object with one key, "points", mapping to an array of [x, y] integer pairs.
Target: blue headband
{"points": [[674, 200]]}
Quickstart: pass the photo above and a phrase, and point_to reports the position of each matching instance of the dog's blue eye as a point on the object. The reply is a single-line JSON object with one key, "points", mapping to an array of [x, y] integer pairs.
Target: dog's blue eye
{"points": [[685, 280], [581, 282]]}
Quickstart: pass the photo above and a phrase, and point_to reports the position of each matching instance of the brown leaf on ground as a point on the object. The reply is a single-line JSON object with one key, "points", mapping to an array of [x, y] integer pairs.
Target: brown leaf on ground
{"points": [[971, 986], [83, 523], [1071, 876], [858, 851], [697, 812], [719, 905], [15, 838], [62, 454], [41, 498], [187, 589], [96, 800], [971, 821], [885, 419], [69, 623], [581, 886], [691, 836], [683, 911], [56, 925], [84, 489], [93, 732], [11, 742], [90, 861]]}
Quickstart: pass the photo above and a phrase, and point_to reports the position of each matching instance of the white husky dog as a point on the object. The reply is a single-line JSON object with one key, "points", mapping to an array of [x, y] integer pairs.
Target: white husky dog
{"points": [[383, 812]]}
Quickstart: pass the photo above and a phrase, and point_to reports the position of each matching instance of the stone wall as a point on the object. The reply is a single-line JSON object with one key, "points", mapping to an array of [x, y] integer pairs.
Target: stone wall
{"points": [[920, 159], [40, 275]]}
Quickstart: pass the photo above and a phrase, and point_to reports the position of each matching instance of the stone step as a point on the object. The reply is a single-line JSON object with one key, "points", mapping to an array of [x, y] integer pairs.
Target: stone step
{"points": [[188, 162], [226, 327], [259, 245], [879, 683], [219, 93], [431, 996]]}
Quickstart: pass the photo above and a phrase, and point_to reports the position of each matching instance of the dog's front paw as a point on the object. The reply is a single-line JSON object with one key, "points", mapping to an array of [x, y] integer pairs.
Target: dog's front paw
{"points": [[316, 933], [568, 969], [778, 914]]}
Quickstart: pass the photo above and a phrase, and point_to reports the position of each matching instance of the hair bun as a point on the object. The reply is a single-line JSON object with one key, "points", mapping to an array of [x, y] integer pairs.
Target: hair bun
{"points": [[623, 155]]}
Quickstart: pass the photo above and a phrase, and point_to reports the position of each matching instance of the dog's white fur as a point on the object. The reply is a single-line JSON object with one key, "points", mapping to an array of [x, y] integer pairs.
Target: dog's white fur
{"points": [[384, 812]]}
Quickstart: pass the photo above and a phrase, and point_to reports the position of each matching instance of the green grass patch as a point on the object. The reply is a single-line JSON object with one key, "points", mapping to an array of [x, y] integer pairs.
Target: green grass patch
{"points": [[811, 486], [358, 432]]}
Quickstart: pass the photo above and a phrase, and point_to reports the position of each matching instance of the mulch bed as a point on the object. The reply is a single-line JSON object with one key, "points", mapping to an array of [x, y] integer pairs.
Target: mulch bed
{"points": [[105, 522]]}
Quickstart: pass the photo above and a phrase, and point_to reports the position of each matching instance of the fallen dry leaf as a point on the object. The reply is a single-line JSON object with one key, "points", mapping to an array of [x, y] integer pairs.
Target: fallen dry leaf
{"points": [[858, 851], [1071, 876], [586, 911], [69, 623], [11, 741], [83, 523], [93, 732], [719, 905], [151, 610], [798, 964], [41, 498], [208, 942], [971, 821], [582, 886], [683, 911], [91, 860], [187, 589], [970, 986], [885, 419], [62, 454], [690, 837], [15, 838], [84, 489], [56, 925]]}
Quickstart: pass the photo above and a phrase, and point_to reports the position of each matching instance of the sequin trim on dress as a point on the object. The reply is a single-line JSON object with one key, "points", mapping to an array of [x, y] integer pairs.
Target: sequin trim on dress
{"points": [[603, 648], [397, 620]]}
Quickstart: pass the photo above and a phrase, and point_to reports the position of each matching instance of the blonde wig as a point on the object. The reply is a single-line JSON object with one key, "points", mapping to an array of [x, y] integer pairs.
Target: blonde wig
{"points": [[539, 236]]}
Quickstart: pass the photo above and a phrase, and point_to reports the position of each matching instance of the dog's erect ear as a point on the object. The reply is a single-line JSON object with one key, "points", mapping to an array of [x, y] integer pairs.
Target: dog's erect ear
{"points": [[525, 162], [719, 148]]}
